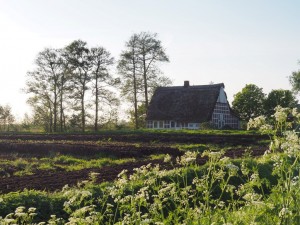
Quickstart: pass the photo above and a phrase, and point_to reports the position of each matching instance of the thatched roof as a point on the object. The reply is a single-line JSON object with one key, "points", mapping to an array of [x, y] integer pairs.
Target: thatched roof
{"points": [[184, 103]]}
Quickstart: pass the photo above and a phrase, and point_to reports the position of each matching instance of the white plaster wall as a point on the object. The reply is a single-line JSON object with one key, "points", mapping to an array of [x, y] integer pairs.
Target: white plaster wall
{"points": [[222, 96]]}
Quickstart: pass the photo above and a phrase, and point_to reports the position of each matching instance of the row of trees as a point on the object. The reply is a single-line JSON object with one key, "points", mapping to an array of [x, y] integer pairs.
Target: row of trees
{"points": [[251, 102], [73, 85]]}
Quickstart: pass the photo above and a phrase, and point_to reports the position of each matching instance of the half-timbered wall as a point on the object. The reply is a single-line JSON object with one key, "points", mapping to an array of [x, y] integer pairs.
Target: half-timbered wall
{"points": [[222, 116]]}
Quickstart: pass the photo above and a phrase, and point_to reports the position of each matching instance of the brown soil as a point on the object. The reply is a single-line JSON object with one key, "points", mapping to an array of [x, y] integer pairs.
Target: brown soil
{"points": [[55, 180], [144, 138], [38, 149]]}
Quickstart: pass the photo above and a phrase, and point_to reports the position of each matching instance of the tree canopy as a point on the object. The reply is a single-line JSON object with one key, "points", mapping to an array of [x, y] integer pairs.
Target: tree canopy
{"points": [[294, 79], [280, 97], [249, 102]]}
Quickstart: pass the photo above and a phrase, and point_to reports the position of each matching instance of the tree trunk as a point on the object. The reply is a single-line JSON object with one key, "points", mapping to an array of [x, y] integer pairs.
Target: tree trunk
{"points": [[61, 111], [61, 103], [135, 104], [55, 110], [96, 104], [50, 120], [145, 82], [55, 98], [82, 112], [135, 93], [64, 122]]}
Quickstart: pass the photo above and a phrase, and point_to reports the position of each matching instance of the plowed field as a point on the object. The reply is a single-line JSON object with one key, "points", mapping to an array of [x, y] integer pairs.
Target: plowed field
{"points": [[120, 146], [144, 138]]}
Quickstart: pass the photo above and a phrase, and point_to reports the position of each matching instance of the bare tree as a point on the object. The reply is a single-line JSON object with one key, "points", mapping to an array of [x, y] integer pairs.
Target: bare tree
{"points": [[44, 81], [129, 69], [138, 66], [101, 60], [150, 52], [78, 56], [64, 87]]}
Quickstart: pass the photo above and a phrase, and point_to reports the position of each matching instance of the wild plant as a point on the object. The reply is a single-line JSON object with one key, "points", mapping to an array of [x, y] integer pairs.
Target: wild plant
{"points": [[20, 216], [286, 143]]}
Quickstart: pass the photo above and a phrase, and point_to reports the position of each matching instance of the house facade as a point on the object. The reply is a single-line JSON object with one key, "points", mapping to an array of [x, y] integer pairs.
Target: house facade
{"points": [[189, 107]]}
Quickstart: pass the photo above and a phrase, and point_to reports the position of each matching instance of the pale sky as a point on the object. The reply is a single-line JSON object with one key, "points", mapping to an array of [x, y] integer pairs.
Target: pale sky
{"points": [[236, 42]]}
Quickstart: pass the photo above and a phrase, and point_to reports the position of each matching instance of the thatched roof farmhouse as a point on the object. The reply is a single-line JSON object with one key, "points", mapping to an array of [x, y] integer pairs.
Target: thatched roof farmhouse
{"points": [[188, 107]]}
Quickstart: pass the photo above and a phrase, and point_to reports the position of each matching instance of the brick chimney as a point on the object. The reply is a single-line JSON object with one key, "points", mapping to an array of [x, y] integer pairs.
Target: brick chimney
{"points": [[186, 83]]}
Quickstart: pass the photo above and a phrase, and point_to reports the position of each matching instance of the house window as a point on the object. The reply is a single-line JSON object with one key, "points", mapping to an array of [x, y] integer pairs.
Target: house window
{"points": [[173, 124], [155, 124], [185, 125], [149, 124], [167, 124], [161, 124], [193, 125]]}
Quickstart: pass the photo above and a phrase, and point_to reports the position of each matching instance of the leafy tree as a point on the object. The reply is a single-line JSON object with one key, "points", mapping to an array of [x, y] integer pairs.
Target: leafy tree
{"points": [[295, 81], [42, 112], [283, 98], [141, 115], [249, 102]]}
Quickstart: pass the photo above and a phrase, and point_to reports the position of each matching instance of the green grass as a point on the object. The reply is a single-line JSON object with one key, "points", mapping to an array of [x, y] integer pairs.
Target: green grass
{"points": [[28, 166], [149, 131]]}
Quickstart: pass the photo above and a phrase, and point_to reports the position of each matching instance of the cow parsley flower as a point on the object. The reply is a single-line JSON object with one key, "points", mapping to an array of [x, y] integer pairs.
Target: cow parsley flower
{"points": [[280, 114], [285, 212], [167, 158], [256, 123]]}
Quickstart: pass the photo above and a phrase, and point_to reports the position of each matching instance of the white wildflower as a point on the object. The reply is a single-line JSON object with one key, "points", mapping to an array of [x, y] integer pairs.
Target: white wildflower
{"points": [[256, 122], [167, 158], [123, 172], [285, 212], [188, 158], [266, 128], [9, 221], [280, 114], [233, 169], [31, 210], [20, 209]]}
